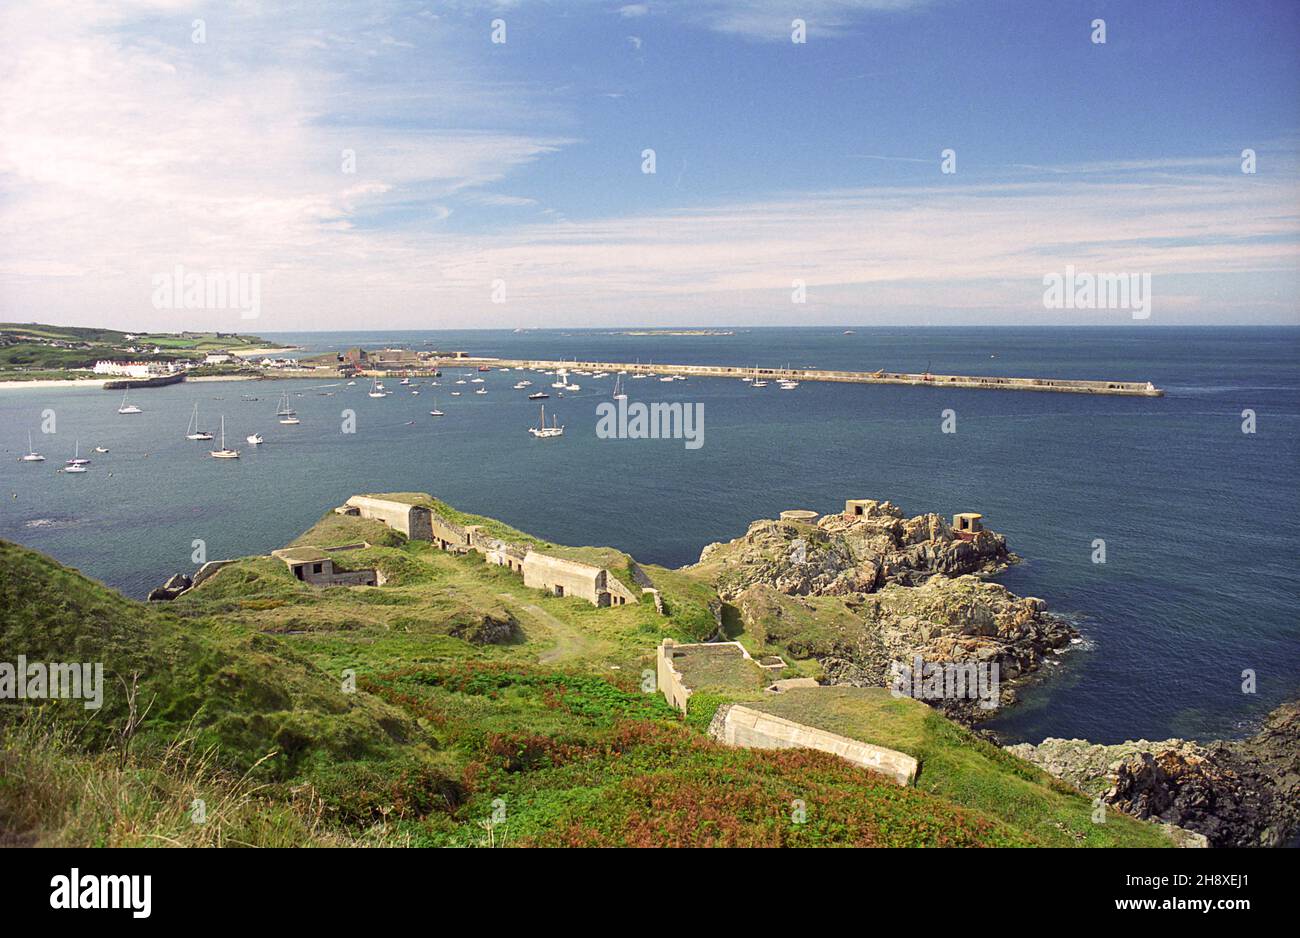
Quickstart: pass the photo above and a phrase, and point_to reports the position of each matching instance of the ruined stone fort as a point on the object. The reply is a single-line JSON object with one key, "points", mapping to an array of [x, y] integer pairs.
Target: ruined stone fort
{"points": [[540, 569]]}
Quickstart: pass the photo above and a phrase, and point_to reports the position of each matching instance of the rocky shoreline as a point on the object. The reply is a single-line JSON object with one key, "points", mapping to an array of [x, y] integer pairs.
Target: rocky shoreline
{"points": [[1237, 793], [863, 592]]}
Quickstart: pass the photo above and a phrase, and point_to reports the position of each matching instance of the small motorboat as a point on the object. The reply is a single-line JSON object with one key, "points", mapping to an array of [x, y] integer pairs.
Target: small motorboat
{"points": [[254, 439]]}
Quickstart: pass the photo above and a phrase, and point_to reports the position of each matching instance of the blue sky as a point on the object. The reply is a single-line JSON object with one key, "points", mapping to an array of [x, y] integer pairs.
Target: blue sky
{"points": [[126, 148]]}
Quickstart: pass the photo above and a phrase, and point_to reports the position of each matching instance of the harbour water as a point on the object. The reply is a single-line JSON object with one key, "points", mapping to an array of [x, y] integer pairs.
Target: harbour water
{"points": [[1198, 518]]}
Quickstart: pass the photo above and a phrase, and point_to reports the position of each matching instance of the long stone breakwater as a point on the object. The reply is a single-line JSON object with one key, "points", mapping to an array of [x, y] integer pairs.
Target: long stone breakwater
{"points": [[991, 382]]}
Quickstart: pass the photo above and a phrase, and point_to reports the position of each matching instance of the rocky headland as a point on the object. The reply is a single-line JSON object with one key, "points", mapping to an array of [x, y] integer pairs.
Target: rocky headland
{"points": [[864, 592]]}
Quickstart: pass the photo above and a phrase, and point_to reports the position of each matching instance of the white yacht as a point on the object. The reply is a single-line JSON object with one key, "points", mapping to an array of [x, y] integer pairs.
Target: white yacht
{"points": [[619, 393], [101, 449], [32, 455], [76, 459], [128, 408], [376, 389], [542, 431], [436, 412], [481, 391], [284, 410], [224, 453], [192, 431], [254, 439]]}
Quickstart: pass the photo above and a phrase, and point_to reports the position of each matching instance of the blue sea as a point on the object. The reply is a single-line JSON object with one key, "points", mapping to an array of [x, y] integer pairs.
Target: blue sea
{"points": [[1201, 522]]}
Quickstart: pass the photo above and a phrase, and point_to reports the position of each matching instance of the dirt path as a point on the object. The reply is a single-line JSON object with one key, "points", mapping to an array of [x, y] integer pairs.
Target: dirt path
{"points": [[569, 642]]}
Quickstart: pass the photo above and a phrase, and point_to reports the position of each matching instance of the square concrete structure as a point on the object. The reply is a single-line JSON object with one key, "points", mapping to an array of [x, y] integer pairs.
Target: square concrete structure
{"points": [[313, 565], [562, 577], [411, 520], [966, 525]]}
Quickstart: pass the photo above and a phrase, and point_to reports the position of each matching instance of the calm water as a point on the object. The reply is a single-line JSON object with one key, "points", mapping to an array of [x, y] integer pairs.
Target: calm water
{"points": [[1201, 522]]}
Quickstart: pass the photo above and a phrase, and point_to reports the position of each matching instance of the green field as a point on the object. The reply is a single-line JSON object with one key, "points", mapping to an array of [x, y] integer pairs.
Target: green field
{"points": [[482, 713], [34, 351]]}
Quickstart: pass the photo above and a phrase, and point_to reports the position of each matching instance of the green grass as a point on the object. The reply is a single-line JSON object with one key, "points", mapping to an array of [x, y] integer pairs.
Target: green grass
{"points": [[960, 767], [552, 724]]}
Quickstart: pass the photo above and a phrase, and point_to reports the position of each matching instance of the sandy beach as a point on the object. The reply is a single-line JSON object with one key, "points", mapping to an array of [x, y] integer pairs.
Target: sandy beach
{"points": [[44, 383]]}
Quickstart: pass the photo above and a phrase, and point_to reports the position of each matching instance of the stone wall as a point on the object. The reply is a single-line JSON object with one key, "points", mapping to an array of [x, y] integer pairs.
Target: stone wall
{"points": [[564, 577], [753, 729], [668, 680]]}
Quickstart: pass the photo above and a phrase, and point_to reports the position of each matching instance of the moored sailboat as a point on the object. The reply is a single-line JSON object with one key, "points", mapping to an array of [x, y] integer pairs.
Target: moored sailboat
{"points": [[542, 431], [224, 453], [192, 431]]}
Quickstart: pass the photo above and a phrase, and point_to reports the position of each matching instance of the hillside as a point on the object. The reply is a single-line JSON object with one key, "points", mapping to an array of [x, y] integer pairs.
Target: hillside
{"points": [[32, 350], [485, 712]]}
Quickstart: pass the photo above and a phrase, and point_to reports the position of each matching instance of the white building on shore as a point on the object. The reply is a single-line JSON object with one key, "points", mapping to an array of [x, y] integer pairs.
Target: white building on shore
{"points": [[132, 369]]}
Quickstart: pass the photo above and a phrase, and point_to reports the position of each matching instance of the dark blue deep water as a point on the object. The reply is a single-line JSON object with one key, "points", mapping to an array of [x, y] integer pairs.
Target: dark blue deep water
{"points": [[1201, 521]]}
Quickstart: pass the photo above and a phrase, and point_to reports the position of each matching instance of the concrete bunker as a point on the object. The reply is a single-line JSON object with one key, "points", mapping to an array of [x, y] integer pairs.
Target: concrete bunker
{"points": [[315, 566]]}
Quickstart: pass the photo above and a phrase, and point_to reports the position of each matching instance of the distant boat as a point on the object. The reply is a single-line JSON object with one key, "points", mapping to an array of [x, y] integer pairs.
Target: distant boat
{"points": [[436, 412], [128, 408], [376, 390], [224, 453], [481, 391], [192, 431], [101, 449], [254, 439], [619, 393], [542, 431], [848, 332], [290, 421], [32, 455], [284, 410], [538, 396], [476, 381], [666, 378], [573, 387], [76, 459], [455, 394]]}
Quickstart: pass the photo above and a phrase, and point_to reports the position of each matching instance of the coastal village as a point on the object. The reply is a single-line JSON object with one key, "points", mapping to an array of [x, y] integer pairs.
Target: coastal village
{"points": [[145, 361]]}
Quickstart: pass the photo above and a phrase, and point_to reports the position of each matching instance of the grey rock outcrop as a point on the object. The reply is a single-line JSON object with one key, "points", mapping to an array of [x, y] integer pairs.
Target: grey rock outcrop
{"points": [[1237, 793], [860, 593]]}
